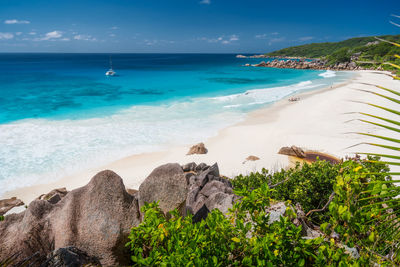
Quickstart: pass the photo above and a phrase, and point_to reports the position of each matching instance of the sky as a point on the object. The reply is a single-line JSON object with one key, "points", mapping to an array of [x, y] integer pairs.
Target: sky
{"points": [[187, 26]]}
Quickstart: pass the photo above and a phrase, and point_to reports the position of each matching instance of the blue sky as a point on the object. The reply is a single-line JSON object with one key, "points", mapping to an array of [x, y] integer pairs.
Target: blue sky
{"points": [[194, 26]]}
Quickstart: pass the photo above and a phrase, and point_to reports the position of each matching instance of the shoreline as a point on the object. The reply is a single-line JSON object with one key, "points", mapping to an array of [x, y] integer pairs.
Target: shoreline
{"points": [[261, 134]]}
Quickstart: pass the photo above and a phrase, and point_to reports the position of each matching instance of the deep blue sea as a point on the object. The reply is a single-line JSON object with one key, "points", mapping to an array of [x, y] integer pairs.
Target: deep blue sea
{"points": [[59, 113]]}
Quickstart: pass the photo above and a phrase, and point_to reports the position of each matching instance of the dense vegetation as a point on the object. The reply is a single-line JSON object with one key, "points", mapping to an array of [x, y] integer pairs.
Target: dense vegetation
{"points": [[369, 50], [317, 50], [245, 237]]}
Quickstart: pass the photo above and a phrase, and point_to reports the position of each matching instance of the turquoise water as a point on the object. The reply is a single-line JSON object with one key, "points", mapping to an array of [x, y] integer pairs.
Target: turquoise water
{"points": [[59, 113]]}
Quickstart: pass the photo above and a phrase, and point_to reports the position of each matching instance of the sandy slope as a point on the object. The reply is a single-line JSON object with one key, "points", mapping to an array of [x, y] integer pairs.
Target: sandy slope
{"points": [[319, 121]]}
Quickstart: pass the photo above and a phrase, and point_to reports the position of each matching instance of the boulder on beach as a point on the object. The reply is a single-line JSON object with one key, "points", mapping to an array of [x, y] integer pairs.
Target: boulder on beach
{"points": [[95, 218], [166, 184], [197, 149], [8, 204], [292, 151], [252, 158]]}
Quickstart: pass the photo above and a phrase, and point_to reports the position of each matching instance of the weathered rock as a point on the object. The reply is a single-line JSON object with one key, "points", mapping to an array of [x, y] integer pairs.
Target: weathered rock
{"points": [[275, 211], [54, 199], [166, 184], [70, 257], [197, 149], [292, 151], [189, 167], [95, 218], [252, 158], [214, 187], [59, 191], [8, 204], [352, 251], [220, 201], [204, 189], [132, 192], [201, 167], [352, 65]]}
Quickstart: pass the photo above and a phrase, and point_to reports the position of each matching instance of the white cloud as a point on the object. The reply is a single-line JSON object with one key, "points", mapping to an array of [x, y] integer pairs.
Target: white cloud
{"points": [[265, 35], [18, 33], [159, 42], [234, 37], [205, 2], [53, 34], [306, 38], [112, 35], [84, 37], [222, 39], [114, 28], [65, 39], [15, 21], [50, 36], [6, 36], [32, 33]]}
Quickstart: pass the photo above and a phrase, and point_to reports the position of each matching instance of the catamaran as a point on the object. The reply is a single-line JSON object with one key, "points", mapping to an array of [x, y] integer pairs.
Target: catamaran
{"points": [[110, 72]]}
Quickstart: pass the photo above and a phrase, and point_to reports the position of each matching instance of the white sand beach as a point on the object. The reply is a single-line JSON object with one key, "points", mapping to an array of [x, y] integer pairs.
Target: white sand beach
{"points": [[321, 120]]}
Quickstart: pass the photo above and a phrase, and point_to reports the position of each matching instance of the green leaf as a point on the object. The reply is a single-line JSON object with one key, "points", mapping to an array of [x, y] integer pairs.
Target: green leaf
{"points": [[371, 237], [301, 262], [235, 239]]}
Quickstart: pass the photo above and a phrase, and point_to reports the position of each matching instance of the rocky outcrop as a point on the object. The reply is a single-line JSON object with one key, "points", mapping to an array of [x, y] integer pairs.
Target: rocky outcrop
{"points": [[54, 195], [95, 218], [166, 184], [197, 149], [208, 191], [8, 204], [93, 222], [292, 151], [315, 64]]}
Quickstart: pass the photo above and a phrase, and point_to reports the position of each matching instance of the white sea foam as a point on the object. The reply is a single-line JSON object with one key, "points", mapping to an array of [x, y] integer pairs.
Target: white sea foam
{"points": [[328, 74], [263, 96], [40, 151]]}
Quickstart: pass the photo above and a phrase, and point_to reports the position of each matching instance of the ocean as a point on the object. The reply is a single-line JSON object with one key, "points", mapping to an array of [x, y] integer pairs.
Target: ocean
{"points": [[59, 113]]}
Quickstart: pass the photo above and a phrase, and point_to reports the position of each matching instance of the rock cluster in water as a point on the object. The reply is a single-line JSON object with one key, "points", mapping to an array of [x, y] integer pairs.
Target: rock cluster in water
{"points": [[315, 64]]}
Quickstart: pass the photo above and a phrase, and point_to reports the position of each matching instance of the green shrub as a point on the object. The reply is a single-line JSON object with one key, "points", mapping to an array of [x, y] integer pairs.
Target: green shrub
{"points": [[243, 238], [308, 184]]}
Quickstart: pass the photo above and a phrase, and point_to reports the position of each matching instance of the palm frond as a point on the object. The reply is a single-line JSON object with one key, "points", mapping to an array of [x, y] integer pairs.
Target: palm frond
{"points": [[382, 196]]}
